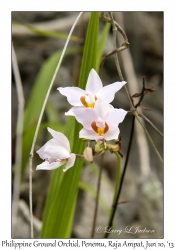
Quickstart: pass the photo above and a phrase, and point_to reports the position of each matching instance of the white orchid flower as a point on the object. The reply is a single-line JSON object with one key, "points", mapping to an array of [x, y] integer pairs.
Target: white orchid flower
{"points": [[94, 89], [100, 122], [56, 152]]}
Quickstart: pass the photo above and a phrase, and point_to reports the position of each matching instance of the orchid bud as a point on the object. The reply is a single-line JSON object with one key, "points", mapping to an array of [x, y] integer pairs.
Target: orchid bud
{"points": [[100, 147], [113, 148], [88, 155]]}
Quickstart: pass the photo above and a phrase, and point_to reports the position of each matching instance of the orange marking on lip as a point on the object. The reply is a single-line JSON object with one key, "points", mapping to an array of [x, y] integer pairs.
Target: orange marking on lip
{"points": [[86, 104], [99, 131]]}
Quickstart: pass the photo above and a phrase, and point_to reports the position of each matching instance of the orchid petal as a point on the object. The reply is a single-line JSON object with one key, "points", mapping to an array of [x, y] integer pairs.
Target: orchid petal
{"points": [[102, 108], [49, 166], [87, 134], [114, 117], [98, 138], [71, 111], [111, 107], [94, 83], [56, 152], [70, 162], [107, 93], [62, 139], [85, 116], [112, 134], [42, 153], [73, 94]]}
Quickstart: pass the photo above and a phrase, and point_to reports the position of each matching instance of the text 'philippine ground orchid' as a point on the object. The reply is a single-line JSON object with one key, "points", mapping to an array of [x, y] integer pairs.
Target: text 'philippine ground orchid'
{"points": [[100, 122]]}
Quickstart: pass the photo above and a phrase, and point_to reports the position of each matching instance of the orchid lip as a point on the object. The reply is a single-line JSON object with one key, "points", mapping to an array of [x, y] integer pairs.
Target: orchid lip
{"points": [[89, 104], [85, 103], [56, 160], [98, 130], [61, 160]]}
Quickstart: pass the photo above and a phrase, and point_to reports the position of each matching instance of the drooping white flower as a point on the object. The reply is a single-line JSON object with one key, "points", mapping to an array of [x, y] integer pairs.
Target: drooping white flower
{"points": [[94, 89], [56, 152], [100, 122]]}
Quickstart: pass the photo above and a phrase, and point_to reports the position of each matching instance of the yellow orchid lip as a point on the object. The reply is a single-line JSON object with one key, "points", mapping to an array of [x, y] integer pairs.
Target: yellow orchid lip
{"points": [[87, 104], [99, 131]]}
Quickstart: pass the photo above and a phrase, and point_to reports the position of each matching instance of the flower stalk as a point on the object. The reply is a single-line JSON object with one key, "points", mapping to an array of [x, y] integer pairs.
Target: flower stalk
{"points": [[116, 193], [41, 115], [97, 198]]}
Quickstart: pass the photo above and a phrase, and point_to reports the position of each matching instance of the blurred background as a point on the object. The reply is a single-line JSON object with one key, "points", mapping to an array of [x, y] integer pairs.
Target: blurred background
{"points": [[142, 191]]}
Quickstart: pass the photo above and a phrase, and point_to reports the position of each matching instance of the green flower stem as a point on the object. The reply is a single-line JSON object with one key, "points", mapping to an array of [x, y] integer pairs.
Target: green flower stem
{"points": [[40, 118], [97, 198], [117, 183], [63, 189]]}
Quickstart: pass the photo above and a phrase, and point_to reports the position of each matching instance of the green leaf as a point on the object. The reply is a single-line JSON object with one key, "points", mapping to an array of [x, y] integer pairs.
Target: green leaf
{"points": [[102, 41], [96, 171], [89, 60], [89, 189], [36, 99], [47, 33], [40, 88], [62, 195], [52, 113]]}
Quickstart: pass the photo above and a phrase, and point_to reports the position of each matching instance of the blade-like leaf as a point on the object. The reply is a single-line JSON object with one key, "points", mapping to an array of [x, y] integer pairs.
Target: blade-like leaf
{"points": [[36, 100], [86, 187], [96, 171], [102, 41], [47, 33], [59, 211], [40, 88]]}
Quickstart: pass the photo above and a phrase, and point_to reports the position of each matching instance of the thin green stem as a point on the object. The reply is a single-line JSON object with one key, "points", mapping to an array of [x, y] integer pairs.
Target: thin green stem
{"points": [[41, 115], [123, 173], [52, 81], [97, 198], [125, 167], [116, 194], [30, 197]]}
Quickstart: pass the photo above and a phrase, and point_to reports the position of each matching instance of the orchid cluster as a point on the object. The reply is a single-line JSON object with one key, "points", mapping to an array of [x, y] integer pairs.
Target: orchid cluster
{"points": [[91, 108]]}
